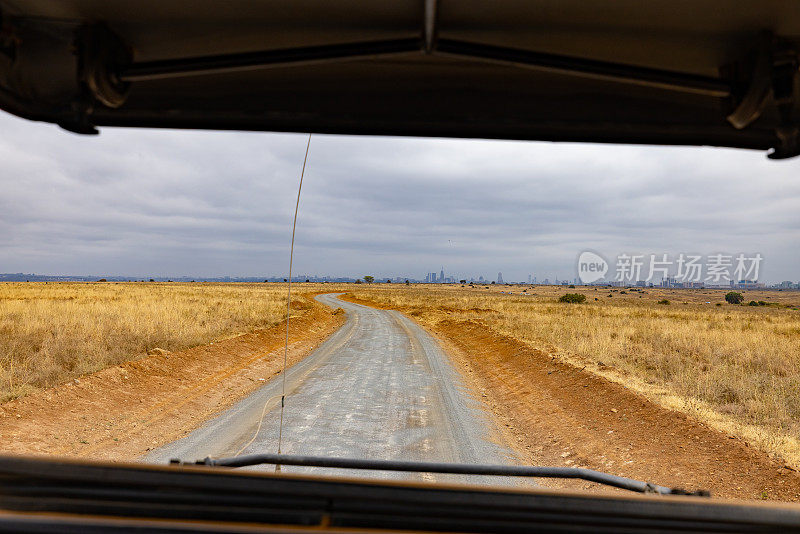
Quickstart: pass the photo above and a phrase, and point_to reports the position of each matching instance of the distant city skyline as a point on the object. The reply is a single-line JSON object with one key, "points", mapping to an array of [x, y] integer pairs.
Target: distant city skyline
{"points": [[432, 277]]}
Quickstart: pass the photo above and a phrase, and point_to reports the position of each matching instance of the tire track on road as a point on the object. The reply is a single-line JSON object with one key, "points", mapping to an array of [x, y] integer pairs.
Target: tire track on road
{"points": [[379, 388]]}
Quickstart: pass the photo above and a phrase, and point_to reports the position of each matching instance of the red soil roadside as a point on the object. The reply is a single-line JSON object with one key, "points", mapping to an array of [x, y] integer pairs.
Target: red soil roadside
{"points": [[121, 412]]}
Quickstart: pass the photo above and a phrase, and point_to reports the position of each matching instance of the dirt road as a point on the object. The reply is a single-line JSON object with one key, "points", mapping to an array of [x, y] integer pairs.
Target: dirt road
{"points": [[379, 388]]}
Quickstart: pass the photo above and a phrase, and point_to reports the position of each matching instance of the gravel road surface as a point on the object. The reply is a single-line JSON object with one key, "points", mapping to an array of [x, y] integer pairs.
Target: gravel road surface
{"points": [[379, 388]]}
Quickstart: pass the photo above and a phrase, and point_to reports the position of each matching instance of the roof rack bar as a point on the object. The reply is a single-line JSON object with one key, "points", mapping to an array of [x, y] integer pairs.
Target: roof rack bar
{"points": [[429, 30], [429, 43], [436, 467], [181, 67], [587, 68]]}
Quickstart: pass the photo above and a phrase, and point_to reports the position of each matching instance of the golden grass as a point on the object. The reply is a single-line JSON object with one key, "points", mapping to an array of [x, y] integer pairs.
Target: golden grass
{"points": [[53, 332], [736, 368]]}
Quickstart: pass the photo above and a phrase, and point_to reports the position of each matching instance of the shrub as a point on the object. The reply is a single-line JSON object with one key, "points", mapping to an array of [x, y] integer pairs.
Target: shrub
{"points": [[572, 286], [663, 301], [573, 298], [752, 303], [734, 297]]}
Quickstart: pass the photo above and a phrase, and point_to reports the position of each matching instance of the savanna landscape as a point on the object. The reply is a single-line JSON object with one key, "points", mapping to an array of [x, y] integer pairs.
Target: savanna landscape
{"points": [[109, 370], [52, 332], [670, 384], [733, 366]]}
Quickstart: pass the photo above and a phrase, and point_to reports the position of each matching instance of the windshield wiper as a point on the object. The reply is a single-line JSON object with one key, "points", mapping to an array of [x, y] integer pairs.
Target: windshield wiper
{"points": [[447, 468]]}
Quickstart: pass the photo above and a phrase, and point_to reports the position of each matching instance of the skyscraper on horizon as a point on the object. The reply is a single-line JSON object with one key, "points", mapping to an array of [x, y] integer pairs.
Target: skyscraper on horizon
{"points": [[499, 278]]}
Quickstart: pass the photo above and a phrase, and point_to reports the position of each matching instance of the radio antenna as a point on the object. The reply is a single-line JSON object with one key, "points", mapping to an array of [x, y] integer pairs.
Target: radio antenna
{"points": [[289, 302]]}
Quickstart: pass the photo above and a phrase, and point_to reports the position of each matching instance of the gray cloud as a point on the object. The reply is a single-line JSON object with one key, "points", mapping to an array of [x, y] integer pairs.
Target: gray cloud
{"points": [[170, 203]]}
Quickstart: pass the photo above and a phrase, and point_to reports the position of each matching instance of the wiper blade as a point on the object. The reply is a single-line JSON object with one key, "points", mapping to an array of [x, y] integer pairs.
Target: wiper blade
{"points": [[445, 468]]}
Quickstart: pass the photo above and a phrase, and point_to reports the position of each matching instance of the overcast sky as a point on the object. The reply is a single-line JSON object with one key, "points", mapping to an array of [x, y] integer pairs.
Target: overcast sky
{"points": [[170, 203]]}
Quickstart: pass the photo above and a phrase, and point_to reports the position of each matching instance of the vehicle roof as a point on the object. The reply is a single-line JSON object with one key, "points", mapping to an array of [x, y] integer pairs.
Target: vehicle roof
{"points": [[693, 72]]}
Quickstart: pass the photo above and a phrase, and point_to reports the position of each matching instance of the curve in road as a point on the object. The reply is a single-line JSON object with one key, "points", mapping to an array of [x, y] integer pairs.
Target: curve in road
{"points": [[379, 388]]}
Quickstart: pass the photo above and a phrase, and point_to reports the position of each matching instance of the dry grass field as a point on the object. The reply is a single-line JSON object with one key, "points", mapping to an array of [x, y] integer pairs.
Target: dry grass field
{"points": [[736, 368], [52, 332]]}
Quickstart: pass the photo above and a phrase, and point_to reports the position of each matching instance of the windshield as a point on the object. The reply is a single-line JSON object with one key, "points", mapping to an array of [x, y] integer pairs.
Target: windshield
{"points": [[626, 309]]}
